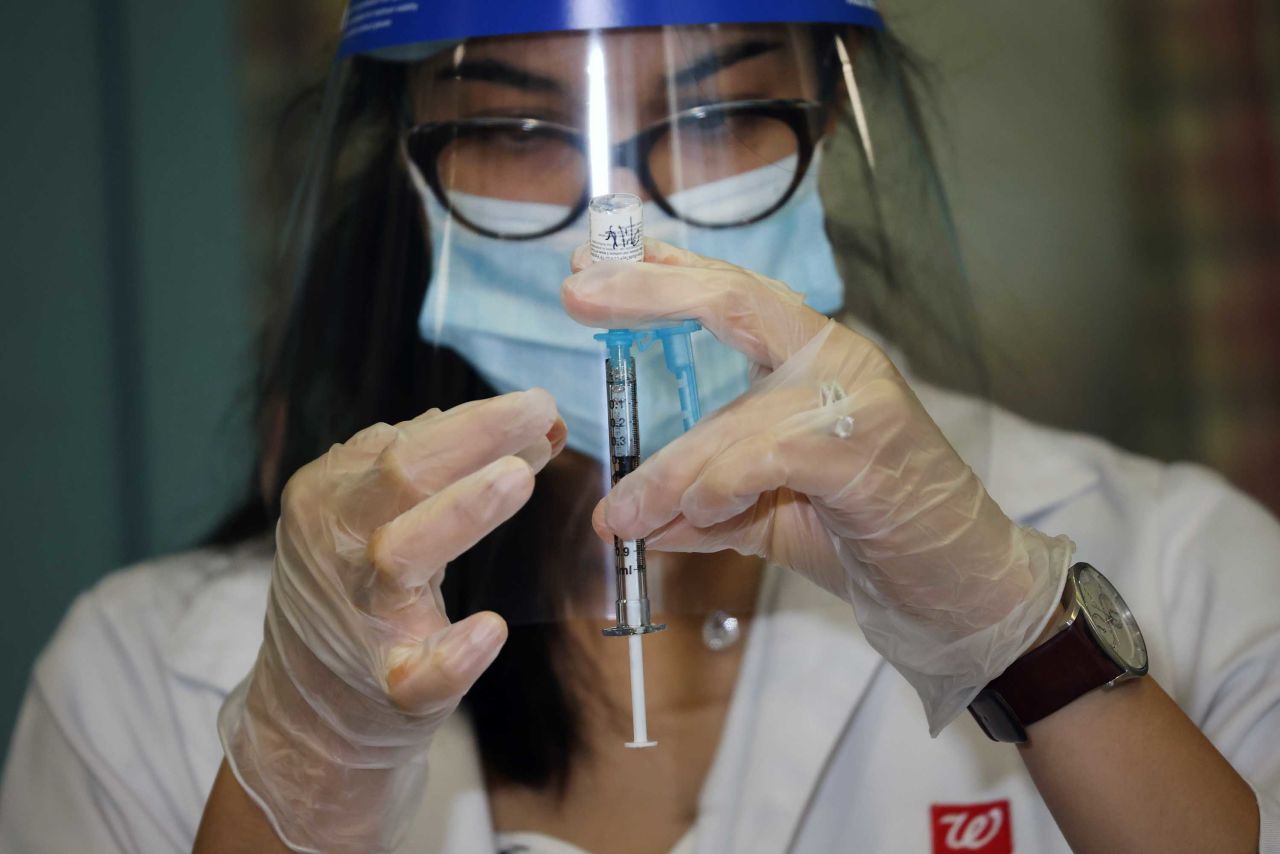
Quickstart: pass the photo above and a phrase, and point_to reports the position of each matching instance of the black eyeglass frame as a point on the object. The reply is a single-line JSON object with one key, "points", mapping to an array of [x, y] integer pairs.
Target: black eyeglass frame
{"points": [[805, 118]]}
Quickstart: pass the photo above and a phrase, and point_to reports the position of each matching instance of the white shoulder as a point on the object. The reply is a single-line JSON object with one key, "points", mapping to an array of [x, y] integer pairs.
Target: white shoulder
{"points": [[130, 609], [1181, 521], [119, 683], [128, 625], [1188, 517]]}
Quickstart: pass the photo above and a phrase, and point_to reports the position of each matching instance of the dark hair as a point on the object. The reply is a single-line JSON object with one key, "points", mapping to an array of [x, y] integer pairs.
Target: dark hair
{"points": [[349, 354]]}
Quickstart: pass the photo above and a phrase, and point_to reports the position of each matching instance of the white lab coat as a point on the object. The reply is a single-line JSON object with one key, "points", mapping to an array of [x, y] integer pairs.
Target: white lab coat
{"points": [[825, 747]]}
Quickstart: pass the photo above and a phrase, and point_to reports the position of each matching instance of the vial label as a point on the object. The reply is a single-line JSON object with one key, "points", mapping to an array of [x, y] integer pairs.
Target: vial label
{"points": [[617, 228], [618, 242]]}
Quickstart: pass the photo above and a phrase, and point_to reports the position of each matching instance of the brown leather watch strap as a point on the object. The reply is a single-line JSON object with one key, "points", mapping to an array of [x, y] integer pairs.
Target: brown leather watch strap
{"points": [[1063, 668]]}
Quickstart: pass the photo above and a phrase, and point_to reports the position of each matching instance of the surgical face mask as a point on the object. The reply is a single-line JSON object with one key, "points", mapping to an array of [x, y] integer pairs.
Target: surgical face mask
{"points": [[497, 302]]}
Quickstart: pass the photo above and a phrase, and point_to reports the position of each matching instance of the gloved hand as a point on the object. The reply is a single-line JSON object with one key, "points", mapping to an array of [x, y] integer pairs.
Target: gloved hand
{"points": [[359, 664], [830, 466]]}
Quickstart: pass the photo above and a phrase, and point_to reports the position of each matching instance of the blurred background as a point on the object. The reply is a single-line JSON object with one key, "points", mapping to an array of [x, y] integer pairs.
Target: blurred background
{"points": [[1114, 167]]}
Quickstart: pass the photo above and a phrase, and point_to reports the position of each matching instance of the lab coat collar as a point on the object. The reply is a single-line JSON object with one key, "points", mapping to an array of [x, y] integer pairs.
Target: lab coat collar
{"points": [[1027, 469]]}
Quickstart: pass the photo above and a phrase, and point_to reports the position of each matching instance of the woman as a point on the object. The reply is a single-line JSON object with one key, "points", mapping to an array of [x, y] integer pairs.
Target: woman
{"points": [[434, 237]]}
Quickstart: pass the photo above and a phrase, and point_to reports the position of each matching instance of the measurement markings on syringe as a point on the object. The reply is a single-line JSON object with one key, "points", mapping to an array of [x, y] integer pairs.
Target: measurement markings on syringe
{"points": [[623, 418], [624, 455], [630, 555]]}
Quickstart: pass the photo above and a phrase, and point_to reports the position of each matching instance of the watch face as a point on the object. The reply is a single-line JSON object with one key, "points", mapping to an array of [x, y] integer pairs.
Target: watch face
{"points": [[1111, 621]]}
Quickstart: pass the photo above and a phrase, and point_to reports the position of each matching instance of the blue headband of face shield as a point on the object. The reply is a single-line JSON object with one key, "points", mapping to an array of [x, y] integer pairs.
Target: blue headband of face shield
{"points": [[389, 27]]}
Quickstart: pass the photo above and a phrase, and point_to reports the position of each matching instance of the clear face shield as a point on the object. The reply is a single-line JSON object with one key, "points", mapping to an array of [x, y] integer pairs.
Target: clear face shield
{"points": [[468, 166]]}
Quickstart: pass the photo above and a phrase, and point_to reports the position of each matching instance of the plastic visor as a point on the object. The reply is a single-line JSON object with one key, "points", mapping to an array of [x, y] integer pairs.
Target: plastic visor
{"points": [[450, 191]]}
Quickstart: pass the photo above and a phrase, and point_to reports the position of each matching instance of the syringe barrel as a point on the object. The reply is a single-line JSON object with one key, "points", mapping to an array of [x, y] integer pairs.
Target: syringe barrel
{"points": [[624, 457]]}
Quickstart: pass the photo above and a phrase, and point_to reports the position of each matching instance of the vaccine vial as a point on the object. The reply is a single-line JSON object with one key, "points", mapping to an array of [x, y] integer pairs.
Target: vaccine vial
{"points": [[616, 222]]}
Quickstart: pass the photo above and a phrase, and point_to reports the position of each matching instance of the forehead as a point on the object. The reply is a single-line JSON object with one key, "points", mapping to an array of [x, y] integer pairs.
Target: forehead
{"points": [[636, 58]]}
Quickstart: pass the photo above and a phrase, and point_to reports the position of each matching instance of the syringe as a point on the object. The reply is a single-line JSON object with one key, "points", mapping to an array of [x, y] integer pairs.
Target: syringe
{"points": [[617, 234], [633, 610]]}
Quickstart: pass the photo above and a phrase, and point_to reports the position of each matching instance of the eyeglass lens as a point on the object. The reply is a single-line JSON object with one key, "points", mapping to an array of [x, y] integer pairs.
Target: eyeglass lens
{"points": [[684, 159]]}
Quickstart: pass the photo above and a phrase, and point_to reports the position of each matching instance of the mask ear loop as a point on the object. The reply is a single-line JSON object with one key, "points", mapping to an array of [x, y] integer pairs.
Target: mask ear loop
{"points": [[855, 99]]}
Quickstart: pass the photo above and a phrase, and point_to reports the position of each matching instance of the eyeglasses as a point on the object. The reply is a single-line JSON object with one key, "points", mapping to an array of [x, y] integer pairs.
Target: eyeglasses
{"points": [[470, 162]]}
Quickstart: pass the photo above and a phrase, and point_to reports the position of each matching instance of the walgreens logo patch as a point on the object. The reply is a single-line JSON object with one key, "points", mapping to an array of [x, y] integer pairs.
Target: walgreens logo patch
{"points": [[972, 828]]}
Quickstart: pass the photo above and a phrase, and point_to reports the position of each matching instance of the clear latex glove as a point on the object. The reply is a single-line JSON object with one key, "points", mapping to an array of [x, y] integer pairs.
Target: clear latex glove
{"points": [[359, 663], [830, 466]]}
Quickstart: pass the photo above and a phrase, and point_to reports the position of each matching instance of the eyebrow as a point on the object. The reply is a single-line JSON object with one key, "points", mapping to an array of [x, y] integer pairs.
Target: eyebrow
{"points": [[718, 61], [506, 74], [502, 73]]}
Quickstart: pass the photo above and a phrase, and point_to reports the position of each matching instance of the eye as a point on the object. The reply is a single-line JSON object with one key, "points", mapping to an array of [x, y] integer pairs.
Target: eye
{"points": [[504, 135], [713, 119], [708, 123], [517, 140], [722, 126]]}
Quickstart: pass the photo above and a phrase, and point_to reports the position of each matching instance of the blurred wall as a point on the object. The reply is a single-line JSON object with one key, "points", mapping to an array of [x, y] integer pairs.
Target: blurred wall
{"points": [[1114, 172], [126, 323], [1028, 120]]}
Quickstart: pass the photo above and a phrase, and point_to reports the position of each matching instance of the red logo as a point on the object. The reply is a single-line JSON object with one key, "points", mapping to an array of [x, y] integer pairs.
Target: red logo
{"points": [[972, 828]]}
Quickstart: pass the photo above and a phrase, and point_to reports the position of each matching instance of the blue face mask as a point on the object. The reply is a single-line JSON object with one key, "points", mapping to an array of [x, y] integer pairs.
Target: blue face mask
{"points": [[497, 302]]}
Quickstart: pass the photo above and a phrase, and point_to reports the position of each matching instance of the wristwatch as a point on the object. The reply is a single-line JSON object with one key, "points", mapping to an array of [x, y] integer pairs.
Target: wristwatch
{"points": [[1098, 644]]}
